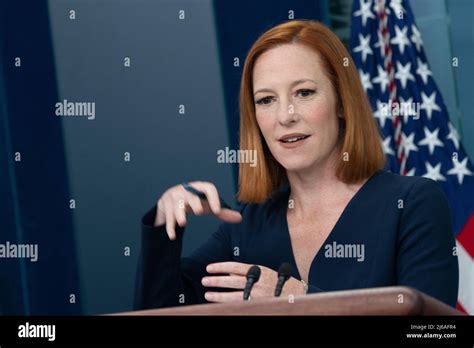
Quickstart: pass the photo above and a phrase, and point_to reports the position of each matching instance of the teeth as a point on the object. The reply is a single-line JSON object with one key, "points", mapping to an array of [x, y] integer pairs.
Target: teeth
{"points": [[291, 140]]}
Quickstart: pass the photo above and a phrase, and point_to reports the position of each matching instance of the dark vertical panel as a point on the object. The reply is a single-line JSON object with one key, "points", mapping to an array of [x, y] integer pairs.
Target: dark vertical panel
{"points": [[12, 300], [35, 203]]}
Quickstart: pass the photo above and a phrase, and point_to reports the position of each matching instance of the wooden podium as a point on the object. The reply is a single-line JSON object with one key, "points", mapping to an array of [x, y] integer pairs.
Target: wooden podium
{"points": [[397, 300]]}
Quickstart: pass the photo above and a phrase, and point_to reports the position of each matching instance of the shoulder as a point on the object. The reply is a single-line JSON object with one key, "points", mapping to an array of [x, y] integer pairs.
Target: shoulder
{"points": [[420, 201], [403, 184], [388, 183], [402, 201]]}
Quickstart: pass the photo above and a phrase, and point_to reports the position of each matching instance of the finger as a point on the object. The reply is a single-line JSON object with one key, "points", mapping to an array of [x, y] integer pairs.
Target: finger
{"points": [[159, 212], [231, 282], [194, 203], [224, 214], [237, 268], [170, 220], [180, 210], [229, 215], [212, 195], [232, 296]]}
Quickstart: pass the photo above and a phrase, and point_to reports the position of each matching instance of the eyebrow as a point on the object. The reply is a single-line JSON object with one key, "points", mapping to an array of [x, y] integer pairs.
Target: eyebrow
{"points": [[294, 83]]}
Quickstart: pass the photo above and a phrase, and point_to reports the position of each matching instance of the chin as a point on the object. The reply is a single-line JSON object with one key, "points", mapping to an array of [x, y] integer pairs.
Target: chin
{"points": [[296, 164]]}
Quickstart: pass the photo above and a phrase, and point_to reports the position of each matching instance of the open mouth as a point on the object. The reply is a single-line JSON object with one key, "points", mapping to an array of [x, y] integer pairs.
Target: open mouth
{"points": [[294, 139]]}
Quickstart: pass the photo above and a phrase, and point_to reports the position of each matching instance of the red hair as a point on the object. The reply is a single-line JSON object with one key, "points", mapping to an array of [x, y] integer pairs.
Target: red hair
{"points": [[360, 138]]}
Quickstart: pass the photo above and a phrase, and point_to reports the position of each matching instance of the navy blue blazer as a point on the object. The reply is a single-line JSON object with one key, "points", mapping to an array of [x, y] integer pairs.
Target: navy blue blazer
{"points": [[402, 223]]}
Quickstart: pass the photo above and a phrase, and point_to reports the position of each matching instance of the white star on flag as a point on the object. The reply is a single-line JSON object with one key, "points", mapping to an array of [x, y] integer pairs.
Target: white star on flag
{"points": [[406, 117], [416, 38], [403, 73], [397, 8], [434, 172], [453, 135], [431, 139], [365, 80], [364, 11], [460, 170], [387, 149], [380, 43], [381, 78], [429, 104], [382, 113], [408, 144], [364, 46], [423, 71], [400, 39]]}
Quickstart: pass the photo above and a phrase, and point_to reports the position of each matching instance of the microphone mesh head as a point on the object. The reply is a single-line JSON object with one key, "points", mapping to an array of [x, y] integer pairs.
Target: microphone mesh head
{"points": [[254, 272], [285, 270]]}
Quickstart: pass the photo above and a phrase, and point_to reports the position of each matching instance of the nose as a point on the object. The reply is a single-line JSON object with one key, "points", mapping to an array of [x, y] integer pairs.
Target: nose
{"points": [[286, 113]]}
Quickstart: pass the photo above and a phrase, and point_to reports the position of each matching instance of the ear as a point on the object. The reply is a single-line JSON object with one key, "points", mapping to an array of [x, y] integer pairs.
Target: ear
{"points": [[340, 111]]}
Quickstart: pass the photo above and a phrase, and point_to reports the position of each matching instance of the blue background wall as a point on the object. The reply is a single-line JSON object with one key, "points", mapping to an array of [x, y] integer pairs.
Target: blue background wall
{"points": [[173, 62], [447, 31]]}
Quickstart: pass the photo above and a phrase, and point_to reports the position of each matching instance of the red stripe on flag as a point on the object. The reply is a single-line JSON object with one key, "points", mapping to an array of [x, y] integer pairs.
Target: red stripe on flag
{"points": [[391, 85], [459, 307], [466, 237]]}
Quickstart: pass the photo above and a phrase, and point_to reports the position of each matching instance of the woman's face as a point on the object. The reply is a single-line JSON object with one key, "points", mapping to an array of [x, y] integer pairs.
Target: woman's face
{"points": [[295, 107]]}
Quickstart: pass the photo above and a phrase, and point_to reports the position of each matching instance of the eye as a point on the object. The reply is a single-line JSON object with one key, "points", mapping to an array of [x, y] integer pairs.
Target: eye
{"points": [[305, 93], [265, 101]]}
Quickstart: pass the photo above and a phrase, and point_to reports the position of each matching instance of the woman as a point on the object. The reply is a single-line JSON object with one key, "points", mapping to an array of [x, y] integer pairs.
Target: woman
{"points": [[317, 198]]}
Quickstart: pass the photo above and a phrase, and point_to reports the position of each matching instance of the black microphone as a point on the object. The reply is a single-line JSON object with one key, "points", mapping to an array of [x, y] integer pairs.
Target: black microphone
{"points": [[253, 275], [284, 273]]}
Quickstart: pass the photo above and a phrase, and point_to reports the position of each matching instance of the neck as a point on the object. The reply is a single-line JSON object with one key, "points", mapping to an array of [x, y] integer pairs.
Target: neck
{"points": [[318, 188], [308, 190]]}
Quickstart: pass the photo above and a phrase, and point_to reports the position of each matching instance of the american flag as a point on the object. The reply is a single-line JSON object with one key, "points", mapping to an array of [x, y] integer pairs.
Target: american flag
{"points": [[417, 135]]}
